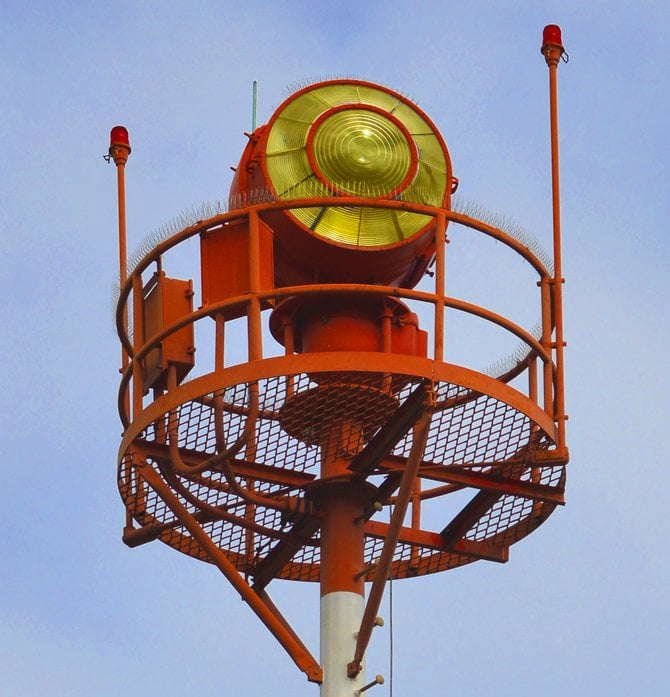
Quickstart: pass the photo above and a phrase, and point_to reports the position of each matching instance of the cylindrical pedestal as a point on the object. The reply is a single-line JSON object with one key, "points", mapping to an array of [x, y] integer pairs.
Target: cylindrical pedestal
{"points": [[341, 614]]}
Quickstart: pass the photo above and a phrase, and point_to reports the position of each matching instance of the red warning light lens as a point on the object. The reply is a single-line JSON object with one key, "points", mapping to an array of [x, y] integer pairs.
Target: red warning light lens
{"points": [[119, 136], [552, 35]]}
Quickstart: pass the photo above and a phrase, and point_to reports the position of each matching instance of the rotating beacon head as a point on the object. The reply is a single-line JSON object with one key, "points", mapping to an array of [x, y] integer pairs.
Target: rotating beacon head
{"points": [[362, 143]]}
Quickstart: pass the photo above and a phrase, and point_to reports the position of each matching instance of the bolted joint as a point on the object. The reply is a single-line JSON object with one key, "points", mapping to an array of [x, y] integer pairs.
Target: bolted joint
{"points": [[314, 674], [552, 54], [430, 398], [119, 153]]}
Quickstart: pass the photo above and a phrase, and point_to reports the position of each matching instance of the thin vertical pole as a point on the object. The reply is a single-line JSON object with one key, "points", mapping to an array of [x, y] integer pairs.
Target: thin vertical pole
{"points": [[254, 338], [440, 243], [553, 51], [387, 344], [219, 341], [121, 192], [138, 341], [547, 367], [255, 352], [119, 150]]}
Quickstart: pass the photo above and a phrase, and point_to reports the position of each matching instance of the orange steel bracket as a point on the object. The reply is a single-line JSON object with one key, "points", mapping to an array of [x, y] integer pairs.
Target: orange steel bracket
{"points": [[165, 301]]}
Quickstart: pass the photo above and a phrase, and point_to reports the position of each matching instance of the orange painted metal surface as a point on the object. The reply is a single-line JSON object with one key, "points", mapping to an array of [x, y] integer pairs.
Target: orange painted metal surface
{"points": [[165, 301], [484, 435], [276, 461], [224, 262]]}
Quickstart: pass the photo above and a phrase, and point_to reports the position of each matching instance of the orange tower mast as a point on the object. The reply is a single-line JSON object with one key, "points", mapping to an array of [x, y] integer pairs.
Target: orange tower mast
{"points": [[278, 464]]}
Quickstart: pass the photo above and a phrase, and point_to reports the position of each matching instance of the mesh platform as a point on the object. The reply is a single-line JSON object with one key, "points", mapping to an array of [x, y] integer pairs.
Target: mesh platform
{"points": [[290, 419]]}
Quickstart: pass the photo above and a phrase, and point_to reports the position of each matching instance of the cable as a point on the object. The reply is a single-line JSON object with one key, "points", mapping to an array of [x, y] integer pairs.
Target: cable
{"points": [[390, 637], [390, 627]]}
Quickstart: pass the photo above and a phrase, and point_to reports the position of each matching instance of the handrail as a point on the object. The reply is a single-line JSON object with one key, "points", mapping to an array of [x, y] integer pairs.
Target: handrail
{"points": [[222, 218], [543, 348], [290, 291]]}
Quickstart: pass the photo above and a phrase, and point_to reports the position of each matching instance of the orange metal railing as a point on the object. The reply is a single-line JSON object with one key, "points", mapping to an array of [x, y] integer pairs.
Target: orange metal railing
{"points": [[547, 349]]}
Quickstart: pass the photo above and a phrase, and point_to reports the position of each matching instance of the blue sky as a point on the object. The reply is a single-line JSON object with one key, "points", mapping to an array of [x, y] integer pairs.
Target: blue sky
{"points": [[583, 605]]}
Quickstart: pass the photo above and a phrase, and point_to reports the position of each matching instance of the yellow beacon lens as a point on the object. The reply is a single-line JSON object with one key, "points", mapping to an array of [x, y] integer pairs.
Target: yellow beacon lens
{"points": [[361, 153], [356, 139]]}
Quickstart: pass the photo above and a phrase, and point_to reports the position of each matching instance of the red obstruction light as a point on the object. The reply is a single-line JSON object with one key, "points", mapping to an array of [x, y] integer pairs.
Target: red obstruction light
{"points": [[552, 35], [119, 136], [119, 145]]}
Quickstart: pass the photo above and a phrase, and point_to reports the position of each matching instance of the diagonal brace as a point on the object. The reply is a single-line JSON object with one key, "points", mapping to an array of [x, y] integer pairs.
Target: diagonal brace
{"points": [[384, 565], [392, 432], [265, 611], [284, 551]]}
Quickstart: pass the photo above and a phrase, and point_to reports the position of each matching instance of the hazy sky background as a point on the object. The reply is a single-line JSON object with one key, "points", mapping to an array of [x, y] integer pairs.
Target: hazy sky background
{"points": [[582, 608]]}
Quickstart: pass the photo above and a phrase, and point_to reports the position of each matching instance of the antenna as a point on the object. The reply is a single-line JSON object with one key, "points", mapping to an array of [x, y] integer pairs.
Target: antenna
{"points": [[280, 466], [254, 104]]}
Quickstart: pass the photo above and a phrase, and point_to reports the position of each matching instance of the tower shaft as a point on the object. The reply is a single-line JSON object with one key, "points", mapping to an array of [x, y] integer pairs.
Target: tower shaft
{"points": [[342, 546]]}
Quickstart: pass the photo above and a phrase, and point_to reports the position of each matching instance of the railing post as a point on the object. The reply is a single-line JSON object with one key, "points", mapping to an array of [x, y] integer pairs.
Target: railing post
{"points": [[440, 244]]}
